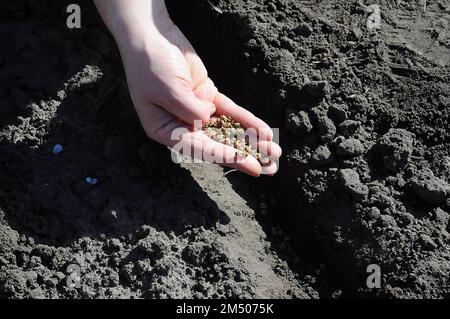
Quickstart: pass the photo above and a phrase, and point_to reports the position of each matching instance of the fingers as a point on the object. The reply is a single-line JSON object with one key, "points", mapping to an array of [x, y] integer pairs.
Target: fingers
{"points": [[225, 106], [270, 152], [164, 128], [269, 149], [190, 93], [215, 152], [158, 124], [206, 90], [193, 104], [250, 166], [198, 145], [260, 135], [185, 105], [270, 169]]}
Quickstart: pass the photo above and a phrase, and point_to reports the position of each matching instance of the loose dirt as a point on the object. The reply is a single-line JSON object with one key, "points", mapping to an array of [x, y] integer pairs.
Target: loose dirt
{"points": [[360, 93]]}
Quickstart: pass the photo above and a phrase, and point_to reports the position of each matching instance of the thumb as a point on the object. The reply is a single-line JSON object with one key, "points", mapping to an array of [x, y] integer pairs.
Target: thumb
{"points": [[184, 104]]}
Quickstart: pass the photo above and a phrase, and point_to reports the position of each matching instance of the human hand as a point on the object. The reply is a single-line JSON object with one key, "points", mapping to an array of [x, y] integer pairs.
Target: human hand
{"points": [[171, 90]]}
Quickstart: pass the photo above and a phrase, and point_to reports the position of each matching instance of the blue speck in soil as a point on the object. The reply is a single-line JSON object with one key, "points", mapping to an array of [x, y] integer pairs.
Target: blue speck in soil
{"points": [[91, 180], [58, 148]]}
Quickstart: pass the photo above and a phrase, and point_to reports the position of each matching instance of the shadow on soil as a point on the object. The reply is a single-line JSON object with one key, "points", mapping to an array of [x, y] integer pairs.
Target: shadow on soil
{"points": [[46, 196]]}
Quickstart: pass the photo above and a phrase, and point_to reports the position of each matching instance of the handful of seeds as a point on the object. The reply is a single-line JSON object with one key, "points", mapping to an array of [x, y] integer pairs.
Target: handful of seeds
{"points": [[229, 132]]}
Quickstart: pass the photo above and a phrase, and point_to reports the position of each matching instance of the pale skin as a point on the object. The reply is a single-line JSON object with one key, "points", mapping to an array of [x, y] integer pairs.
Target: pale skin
{"points": [[170, 87]]}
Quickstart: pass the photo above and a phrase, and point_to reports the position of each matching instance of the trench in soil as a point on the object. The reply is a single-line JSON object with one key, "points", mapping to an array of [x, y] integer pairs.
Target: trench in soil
{"points": [[219, 42]]}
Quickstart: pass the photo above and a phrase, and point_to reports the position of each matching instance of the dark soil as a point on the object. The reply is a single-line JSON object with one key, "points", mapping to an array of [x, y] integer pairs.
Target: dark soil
{"points": [[149, 228], [363, 117]]}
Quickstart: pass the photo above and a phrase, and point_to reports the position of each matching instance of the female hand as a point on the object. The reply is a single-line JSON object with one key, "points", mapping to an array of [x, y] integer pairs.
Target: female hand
{"points": [[170, 87]]}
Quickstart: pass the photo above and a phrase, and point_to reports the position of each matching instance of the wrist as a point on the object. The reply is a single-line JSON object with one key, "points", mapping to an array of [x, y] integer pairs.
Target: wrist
{"points": [[134, 23]]}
